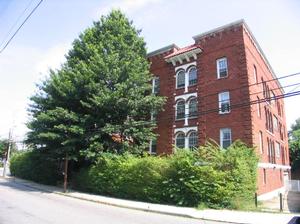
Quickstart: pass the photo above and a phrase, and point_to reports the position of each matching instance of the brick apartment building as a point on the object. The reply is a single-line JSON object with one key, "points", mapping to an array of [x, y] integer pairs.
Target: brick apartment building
{"points": [[220, 88]]}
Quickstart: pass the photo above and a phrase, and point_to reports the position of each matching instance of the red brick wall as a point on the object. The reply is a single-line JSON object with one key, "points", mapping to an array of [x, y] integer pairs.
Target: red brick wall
{"points": [[259, 122], [236, 45]]}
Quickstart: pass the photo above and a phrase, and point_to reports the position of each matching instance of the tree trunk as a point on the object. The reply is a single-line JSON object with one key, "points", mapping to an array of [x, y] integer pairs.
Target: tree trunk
{"points": [[66, 173]]}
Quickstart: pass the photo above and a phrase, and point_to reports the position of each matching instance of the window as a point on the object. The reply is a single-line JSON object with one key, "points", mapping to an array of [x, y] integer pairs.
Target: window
{"points": [[275, 123], [258, 107], [277, 149], [153, 145], [180, 79], [273, 98], [180, 140], [193, 110], [180, 109], [261, 143], [264, 176], [225, 137], [192, 76], [154, 116], [254, 74], [193, 139], [224, 103], [222, 68], [155, 85]]}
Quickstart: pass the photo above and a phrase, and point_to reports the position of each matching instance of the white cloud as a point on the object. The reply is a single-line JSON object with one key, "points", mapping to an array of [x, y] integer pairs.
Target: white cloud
{"points": [[53, 58], [20, 68], [128, 6]]}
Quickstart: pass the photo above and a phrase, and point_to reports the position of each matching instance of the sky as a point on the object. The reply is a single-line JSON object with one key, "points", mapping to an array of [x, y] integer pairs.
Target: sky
{"points": [[46, 37]]}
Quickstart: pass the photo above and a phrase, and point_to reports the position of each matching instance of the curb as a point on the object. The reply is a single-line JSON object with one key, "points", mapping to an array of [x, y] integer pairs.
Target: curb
{"points": [[134, 205]]}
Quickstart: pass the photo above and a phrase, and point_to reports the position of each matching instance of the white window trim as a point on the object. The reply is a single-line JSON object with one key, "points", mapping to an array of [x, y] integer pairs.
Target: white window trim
{"points": [[188, 75], [176, 109], [150, 148], [185, 68], [277, 152], [188, 140], [176, 135], [220, 103], [182, 87], [153, 83], [186, 131], [188, 107], [260, 139], [221, 136], [218, 72]]}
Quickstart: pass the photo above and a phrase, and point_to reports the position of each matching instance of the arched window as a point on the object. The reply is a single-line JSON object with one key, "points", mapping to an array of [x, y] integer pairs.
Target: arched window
{"points": [[193, 107], [180, 79], [180, 109], [192, 76], [180, 140], [193, 139]]}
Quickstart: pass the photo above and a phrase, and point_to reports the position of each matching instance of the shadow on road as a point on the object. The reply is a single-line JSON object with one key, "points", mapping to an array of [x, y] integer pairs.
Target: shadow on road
{"points": [[293, 201], [10, 183]]}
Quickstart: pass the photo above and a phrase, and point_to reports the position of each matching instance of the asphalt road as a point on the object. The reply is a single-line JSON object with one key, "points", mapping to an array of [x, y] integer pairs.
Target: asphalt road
{"points": [[21, 205]]}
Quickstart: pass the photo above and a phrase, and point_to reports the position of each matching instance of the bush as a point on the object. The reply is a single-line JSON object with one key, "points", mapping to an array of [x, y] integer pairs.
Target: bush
{"points": [[208, 176], [34, 165]]}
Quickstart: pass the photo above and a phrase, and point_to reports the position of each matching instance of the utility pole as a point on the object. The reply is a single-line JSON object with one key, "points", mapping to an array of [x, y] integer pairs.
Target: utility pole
{"points": [[6, 162], [66, 173]]}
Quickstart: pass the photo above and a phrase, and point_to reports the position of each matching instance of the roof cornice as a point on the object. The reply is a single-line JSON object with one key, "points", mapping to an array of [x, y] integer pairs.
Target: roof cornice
{"points": [[162, 50]]}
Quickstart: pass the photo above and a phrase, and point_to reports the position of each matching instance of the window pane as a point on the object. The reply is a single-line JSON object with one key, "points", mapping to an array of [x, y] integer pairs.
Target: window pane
{"points": [[193, 76], [225, 137], [156, 85], [180, 110], [180, 140], [180, 79], [222, 67], [224, 102], [193, 110], [153, 146], [193, 140]]}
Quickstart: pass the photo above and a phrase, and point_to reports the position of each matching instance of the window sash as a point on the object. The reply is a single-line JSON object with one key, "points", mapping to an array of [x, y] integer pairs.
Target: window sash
{"points": [[180, 79], [156, 86], [193, 140], [224, 102], [180, 141], [192, 76], [225, 137], [180, 110], [193, 110], [222, 67]]}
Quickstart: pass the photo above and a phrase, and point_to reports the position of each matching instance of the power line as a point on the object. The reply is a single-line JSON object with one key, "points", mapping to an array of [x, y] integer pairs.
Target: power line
{"points": [[15, 33], [13, 26], [258, 83], [256, 93]]}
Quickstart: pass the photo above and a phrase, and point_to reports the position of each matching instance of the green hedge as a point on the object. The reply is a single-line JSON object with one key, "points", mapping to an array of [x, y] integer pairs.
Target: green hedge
{"points": [[208, 176], [34, 165]]}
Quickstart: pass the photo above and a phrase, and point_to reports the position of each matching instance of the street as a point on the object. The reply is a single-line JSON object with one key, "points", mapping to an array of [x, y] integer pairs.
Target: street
{"points": [[20, 205]]}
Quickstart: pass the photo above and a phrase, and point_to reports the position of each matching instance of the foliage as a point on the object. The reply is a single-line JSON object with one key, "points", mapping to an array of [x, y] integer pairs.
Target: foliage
{"points": [[103, 90], [294, 144], [4, 147], [34, 165], [208, 176]]}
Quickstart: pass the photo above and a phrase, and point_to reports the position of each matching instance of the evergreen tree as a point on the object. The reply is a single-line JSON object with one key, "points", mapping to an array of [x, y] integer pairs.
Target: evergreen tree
{"points": [[100, 99]]}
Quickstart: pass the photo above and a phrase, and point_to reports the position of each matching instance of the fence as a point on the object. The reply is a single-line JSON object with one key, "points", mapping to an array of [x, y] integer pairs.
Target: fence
{"points": [[293, 185]]}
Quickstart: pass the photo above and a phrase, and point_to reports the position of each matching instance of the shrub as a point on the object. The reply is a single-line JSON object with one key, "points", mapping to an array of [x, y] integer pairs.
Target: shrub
{"points": [[34, 165], [208, 176]]}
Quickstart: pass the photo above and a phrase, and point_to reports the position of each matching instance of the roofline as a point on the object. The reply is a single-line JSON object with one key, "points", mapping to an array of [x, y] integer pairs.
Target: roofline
{"points": [[262, 54], [218, 29], [162, 50], [243, 23]]}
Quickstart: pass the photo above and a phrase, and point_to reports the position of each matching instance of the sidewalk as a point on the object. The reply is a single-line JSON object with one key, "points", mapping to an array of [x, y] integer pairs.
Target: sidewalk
{"points": [[208, 214]]}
